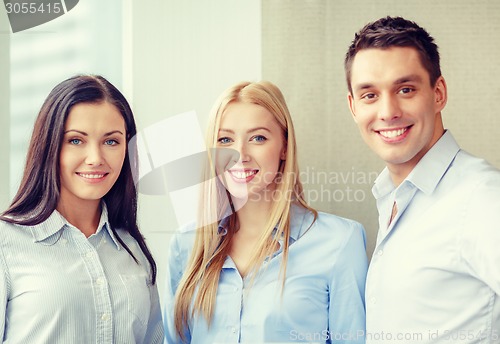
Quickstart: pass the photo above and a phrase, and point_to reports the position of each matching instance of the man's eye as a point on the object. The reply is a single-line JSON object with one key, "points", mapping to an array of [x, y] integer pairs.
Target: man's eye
{"points": [[406, 90]]}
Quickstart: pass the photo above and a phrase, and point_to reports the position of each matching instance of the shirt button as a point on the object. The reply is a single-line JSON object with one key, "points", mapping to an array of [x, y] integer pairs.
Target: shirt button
{"points": [[105, 317], [89, 255], [380, 252], [233, 329], [373, 300], [64, 241], [99, 281]]}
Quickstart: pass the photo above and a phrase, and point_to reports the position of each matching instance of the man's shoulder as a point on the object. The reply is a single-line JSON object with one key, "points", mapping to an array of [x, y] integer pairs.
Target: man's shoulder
{"points": [[472, 169]]}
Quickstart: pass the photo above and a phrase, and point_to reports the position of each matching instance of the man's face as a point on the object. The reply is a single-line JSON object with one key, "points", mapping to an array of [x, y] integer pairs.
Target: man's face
{"points": [[395, 107]]}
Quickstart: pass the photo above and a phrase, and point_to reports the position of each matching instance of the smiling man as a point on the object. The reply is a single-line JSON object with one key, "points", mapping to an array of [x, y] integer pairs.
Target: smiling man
{"points": [[434, 276]]}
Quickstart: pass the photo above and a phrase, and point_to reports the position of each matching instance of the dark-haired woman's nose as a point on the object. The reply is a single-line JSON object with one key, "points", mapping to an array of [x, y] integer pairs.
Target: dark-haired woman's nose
{"points": [[94, 155]]}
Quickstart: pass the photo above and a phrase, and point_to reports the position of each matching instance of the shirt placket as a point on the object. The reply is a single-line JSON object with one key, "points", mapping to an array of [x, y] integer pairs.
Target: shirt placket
{"points": [[102, 299]]}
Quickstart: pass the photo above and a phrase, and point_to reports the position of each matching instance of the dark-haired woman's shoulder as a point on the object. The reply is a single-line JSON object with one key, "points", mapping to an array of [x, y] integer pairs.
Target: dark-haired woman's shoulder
{"points": [[13, 236], [181, 245]]}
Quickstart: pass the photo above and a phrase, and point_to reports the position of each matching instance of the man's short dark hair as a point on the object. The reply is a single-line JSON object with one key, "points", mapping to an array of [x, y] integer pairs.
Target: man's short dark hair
{"points": [[395, 32]]}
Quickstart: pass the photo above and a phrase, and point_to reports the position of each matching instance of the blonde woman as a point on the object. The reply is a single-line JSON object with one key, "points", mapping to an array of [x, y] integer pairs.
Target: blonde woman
{"points": [[272, 269]]}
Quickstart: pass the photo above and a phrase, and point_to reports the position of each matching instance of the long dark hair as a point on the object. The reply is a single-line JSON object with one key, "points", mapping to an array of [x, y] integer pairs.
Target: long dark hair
{"points": [[39, 191]]}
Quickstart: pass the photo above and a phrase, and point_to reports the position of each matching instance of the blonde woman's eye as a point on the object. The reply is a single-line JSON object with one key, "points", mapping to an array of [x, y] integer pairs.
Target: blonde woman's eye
{"points": [[75, 141], [224, 140], [259, 138]]}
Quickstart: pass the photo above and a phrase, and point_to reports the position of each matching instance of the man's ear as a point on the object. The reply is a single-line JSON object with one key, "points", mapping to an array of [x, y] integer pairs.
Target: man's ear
{"points": [[350, 101], [440, 94]]}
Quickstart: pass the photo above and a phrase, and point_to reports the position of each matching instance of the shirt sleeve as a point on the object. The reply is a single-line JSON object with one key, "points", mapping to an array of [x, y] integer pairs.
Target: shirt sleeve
{"points": [[347, 304], [4, 295], [175, 269], [482, 233], [155, 332]]}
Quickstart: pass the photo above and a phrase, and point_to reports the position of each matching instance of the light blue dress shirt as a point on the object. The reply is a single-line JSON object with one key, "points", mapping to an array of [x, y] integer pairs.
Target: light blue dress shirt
{"points": [[435, 272], [57, 286], [323, 297]]}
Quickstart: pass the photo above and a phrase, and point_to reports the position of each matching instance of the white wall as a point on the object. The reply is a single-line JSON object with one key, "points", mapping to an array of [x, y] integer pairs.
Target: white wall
{"points": [[184, 54], [78, 42], [4, 110], [167, 56]]}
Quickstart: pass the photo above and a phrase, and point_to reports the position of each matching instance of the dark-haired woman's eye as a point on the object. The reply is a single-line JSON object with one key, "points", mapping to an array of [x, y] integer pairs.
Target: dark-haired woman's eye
{"points": [[111, 142]]}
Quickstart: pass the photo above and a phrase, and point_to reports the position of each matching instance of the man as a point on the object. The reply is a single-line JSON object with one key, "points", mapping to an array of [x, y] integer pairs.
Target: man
{"points": [[435, 272]]}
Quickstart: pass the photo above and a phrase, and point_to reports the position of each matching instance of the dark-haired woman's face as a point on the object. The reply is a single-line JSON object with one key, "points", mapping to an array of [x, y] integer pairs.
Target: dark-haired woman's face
{"points": [[92, 152]]}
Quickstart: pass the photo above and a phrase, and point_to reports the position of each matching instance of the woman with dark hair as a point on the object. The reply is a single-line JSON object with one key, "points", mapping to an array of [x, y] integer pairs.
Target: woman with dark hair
{"points": [[74, 267]]}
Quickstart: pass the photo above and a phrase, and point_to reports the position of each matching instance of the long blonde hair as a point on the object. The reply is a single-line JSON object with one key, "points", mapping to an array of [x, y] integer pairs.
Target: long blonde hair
{"points": [[210, 247]]}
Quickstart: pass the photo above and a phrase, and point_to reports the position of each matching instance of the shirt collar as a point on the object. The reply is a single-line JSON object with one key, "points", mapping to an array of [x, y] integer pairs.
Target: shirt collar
{"points": [[432, 167], [429, 170], [46, 230], [104, 223]]}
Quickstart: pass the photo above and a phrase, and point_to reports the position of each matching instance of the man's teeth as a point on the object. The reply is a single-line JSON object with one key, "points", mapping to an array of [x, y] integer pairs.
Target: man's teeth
{"points": [[91, 176], [243, 175], [392, 133]]}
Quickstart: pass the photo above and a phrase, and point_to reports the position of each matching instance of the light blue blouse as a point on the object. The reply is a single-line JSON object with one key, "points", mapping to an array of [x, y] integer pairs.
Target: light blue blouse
{"points": [[323, 299], [57, 286]]}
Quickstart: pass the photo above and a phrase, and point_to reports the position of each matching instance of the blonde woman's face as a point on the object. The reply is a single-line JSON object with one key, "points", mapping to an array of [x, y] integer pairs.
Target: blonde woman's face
{"points": [[256, 141]]}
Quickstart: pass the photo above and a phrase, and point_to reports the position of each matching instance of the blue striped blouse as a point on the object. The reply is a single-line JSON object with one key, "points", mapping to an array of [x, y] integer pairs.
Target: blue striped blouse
{"points": [[57, 286]]}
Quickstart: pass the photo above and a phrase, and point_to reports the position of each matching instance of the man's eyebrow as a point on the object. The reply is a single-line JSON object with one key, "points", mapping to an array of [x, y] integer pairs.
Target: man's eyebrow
{"points": [[402, 80], [363, 86], [408, 78]]}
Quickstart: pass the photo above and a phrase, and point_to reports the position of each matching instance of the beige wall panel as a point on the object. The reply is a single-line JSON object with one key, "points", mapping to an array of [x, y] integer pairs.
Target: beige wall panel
{"points": [[303, 47]]}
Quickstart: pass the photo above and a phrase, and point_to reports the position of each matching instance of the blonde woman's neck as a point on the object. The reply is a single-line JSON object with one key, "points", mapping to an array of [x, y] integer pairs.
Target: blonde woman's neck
{"points": [[252, 219]]}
